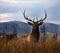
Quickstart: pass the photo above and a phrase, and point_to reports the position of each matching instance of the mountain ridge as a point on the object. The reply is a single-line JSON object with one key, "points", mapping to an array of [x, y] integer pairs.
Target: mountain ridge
{"points": [[24, 28]]}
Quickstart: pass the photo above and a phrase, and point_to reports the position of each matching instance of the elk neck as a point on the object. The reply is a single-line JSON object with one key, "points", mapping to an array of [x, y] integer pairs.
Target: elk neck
{"points": [[35, 33]]}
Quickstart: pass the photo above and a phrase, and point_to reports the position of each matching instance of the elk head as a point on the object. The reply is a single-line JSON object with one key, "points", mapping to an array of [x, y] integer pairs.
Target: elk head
{"points": [[34, 23]]}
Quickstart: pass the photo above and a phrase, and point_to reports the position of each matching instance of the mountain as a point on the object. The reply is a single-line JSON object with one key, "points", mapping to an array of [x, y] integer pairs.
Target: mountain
{"points": [[24, 28], [19, 27]]}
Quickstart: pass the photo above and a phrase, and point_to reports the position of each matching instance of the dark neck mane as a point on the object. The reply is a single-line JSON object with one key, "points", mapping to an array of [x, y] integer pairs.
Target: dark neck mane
{"points": [[35, 34]]}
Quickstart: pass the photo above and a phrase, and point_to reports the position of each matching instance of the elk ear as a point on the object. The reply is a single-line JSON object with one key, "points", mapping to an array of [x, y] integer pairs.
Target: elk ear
{"points": [[30, 23], [40, 23]]}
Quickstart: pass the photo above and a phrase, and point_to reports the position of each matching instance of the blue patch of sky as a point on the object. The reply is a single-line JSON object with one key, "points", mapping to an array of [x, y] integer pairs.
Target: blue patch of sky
{"points": [[54, 13]]}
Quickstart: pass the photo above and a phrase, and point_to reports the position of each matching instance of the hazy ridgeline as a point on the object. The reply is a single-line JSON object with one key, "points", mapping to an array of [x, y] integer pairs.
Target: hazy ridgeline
{"points": [[46, 44]]}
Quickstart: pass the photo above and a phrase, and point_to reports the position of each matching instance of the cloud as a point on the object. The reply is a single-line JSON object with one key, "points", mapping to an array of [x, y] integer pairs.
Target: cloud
{"points": [[43, 1], [55, 22], [13, 9], [5, 16], [12, 6], [5, 20], [46, 3]]}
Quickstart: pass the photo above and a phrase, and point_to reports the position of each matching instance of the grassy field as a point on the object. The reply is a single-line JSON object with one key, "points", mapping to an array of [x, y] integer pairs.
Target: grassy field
{"points": [[43, 46]]}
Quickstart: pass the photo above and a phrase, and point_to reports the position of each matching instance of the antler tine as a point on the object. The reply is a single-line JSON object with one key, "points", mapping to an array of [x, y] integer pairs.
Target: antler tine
{"points": [[37, 19], [26, 17], [44, 18]]}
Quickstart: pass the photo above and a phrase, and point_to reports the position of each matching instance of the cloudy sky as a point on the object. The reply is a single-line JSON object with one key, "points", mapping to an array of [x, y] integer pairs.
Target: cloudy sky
{"points": [[13, 10]]}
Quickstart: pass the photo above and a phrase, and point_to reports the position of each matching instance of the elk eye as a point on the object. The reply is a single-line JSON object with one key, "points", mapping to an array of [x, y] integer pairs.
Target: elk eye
{"points": [[29, 23], [41, 22]]}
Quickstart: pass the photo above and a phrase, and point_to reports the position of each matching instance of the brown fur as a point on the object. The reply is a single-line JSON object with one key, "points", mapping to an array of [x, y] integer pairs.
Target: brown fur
{"points": [[25, 38]]}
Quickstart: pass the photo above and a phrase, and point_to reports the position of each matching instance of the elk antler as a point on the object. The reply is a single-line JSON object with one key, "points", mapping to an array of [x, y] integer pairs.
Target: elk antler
{"points": [[26, 17], [44, 18]]}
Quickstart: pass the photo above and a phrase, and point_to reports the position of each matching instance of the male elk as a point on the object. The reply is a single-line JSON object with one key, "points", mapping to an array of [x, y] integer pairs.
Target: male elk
{"points": [[34, 36]]}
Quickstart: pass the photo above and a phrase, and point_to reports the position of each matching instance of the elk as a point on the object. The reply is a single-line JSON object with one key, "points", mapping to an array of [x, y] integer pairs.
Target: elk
{"points": [[34, 36]]}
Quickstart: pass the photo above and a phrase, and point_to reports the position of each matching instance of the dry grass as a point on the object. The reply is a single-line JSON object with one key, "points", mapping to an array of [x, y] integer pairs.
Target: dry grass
{"points": [[15, 46]]}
